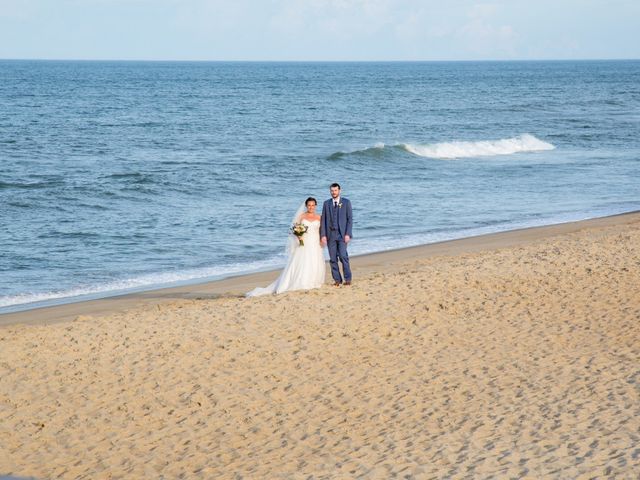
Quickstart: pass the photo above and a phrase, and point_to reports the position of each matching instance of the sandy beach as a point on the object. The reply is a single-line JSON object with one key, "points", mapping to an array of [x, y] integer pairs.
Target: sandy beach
{"points": [[511, 355]]}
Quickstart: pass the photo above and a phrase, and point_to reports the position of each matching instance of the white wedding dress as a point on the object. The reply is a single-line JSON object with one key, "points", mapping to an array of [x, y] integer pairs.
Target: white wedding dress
{"points": [[305, 268]]}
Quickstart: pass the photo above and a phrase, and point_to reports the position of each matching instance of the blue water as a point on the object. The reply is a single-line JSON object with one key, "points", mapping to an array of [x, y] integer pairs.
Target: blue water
{"points": [[129, 175]]}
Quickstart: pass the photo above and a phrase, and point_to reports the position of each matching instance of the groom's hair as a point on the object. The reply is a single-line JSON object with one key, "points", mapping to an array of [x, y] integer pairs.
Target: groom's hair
{"points": [[335, 185]]}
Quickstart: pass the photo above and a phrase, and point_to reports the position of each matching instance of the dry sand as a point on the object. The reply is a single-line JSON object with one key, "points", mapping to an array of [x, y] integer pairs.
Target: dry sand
{"points": [[494, 358]]}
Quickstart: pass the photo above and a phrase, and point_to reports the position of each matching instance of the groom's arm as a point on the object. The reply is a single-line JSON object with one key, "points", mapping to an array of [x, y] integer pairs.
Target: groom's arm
{"points": [[323, 222], [349, 219]]}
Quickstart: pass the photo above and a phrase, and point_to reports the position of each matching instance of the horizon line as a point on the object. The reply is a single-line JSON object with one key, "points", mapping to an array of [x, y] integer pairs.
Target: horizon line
{"points": [[585, 59]]}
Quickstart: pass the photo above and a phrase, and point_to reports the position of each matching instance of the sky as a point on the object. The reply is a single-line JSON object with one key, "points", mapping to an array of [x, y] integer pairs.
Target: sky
{"points": [[319, 29]]}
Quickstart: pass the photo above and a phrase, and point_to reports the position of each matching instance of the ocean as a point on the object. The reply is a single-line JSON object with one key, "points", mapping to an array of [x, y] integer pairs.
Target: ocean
{"points": [[119, 176]]}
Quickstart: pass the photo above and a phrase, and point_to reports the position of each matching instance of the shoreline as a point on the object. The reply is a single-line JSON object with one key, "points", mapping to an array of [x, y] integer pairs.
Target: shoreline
{"points": [[235, 286]]}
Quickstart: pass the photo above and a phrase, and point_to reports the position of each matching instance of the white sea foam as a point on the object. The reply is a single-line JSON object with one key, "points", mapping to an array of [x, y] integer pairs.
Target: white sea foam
{"points": [[505, 146], [139, 283]]}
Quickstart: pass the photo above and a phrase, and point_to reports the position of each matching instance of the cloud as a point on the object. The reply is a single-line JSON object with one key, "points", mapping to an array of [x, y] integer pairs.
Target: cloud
{"points": [[346, 19], [17, 10], [483, 34]]}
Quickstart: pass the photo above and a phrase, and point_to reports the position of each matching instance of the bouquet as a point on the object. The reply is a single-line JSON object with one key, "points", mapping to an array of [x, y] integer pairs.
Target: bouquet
{"points": [[299, 229]]}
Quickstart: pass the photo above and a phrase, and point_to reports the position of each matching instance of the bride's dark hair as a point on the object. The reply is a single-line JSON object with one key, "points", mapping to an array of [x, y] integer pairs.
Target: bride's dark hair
{"points": [[310, 199]]}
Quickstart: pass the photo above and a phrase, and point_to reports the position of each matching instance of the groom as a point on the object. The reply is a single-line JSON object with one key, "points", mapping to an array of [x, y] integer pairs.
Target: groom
{"points": [[335, 232]]}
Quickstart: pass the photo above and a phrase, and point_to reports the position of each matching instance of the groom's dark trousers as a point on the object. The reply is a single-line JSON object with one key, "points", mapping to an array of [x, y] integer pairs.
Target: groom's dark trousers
{"points": [[336, 223], [338, 250]]}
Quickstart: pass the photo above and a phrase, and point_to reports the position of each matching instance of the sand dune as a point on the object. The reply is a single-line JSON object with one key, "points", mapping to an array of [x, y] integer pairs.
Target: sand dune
{"points": [[518, 362]]}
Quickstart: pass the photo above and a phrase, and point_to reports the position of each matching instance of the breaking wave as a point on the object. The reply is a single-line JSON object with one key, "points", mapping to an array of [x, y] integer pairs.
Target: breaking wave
{"points": [[456, 149]]}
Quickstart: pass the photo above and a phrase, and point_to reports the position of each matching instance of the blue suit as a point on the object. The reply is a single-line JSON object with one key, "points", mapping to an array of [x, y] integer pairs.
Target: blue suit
{"points": [[336, 224]]}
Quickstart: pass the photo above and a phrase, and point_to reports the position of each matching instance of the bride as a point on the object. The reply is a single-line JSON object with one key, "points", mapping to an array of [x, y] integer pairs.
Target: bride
{"points": [[305, 267]]}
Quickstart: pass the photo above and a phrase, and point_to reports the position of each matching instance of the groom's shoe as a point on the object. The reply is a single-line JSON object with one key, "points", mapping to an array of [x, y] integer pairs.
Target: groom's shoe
{"points": [[337, 284], [348, 282]]}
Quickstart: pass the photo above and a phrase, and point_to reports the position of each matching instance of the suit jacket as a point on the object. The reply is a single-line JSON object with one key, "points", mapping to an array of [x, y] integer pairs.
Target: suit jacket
{"points": [[345, 219]]}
